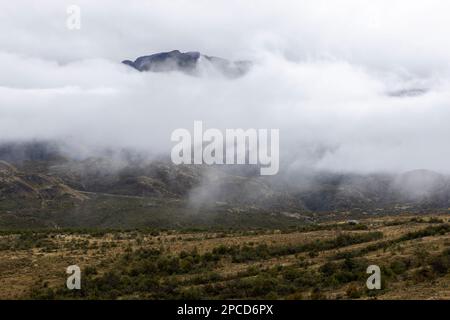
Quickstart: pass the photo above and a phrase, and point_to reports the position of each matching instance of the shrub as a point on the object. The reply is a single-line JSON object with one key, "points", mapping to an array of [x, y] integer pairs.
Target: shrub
{"points": [[353, 292], [441, 263]]}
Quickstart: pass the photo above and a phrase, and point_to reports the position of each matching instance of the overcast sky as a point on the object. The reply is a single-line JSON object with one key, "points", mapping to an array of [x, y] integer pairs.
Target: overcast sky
{"points": [[322, 75]]}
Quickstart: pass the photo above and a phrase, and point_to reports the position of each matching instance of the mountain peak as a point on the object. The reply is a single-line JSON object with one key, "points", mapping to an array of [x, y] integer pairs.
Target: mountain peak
{"points": [[187, 62]]}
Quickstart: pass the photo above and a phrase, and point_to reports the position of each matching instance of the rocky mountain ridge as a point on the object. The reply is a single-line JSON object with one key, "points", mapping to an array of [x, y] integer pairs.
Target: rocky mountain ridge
{"points": [[189, 63]]}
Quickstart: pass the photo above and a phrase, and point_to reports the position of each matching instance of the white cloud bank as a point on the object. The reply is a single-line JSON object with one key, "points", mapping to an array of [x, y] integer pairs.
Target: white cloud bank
{"points": [[323, 73]]}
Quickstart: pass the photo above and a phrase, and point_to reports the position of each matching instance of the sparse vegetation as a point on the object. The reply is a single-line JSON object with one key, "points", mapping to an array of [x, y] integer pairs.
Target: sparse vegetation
{"points": [[324, 261]]}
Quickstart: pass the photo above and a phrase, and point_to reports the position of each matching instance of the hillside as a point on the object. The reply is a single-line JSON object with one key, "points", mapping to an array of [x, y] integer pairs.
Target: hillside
{"points": [[324, 261], [40, 186]]}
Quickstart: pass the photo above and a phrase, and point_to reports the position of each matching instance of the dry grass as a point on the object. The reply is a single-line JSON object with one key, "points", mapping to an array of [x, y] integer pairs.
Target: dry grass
{"points": [[20, 270]]}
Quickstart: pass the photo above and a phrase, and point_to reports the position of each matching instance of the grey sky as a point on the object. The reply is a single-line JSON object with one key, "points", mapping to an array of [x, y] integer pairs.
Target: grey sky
{"points": [[322, 74]]}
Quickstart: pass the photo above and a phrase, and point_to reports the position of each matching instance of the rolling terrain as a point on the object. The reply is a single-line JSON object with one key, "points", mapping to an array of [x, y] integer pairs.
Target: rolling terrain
{"points": [[322, 261], [41, 187], [152, 230]]}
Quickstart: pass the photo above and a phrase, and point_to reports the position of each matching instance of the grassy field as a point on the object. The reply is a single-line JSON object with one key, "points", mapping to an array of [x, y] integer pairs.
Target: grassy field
{"points": [[320, 261]]}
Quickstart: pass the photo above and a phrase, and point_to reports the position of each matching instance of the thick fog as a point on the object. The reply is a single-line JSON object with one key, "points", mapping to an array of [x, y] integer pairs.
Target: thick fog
{"points": [[352, 85]]}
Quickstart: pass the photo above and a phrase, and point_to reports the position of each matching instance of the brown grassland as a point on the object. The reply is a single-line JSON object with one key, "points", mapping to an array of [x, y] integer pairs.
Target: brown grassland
{"points": [[320, 261]]}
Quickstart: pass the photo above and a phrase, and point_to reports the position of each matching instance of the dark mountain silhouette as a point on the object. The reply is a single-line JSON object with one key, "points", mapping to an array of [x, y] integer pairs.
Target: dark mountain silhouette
{"points": [[188, 62]]}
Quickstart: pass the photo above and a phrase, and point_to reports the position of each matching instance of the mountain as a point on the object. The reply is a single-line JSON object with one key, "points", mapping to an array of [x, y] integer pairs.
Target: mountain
{"points": [[41, 188], [28, 200], [188, 62], [41, 184], [16, 185]]}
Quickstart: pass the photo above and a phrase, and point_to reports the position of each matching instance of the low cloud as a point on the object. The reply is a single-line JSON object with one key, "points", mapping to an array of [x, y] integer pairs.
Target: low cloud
{"points": [[323, 74]]}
